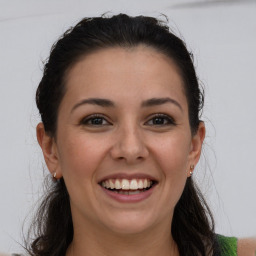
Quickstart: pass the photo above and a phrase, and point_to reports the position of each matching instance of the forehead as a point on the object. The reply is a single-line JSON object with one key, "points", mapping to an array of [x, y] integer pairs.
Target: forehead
{"points": [[138, 71]]}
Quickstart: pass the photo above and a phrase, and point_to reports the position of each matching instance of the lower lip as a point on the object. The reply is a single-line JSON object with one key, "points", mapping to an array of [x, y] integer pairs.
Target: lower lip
{"points": [[129, 198]]}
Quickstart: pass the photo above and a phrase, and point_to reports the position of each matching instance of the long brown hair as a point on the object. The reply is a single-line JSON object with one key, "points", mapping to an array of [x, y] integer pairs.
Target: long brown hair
{"points": [[193, 225]]}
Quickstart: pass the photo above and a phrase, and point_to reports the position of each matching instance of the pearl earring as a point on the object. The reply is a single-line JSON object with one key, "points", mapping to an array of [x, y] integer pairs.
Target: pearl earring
{"points": [[191, 169]]}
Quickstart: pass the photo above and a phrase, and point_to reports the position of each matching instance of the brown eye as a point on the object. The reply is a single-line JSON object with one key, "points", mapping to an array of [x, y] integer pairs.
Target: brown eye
{"points": [[160, 120], [94, 120]]}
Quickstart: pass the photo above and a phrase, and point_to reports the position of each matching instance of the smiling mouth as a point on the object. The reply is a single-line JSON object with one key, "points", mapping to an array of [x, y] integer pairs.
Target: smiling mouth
{"points": [[128, 187]]}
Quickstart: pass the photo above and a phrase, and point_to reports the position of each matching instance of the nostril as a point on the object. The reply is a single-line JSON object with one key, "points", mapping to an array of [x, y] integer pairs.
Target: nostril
{"points": [[129, 149]]}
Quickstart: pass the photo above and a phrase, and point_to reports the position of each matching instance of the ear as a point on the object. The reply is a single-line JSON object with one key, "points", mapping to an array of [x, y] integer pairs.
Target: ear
{"points": [[196, 147], [49, 148]]}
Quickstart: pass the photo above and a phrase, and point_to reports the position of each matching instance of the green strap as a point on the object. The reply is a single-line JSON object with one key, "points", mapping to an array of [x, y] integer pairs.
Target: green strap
{"points": [[228, 245]]}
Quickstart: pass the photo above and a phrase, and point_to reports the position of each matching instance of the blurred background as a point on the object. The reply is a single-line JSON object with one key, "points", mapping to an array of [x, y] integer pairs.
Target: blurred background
{"points": [[222, 37]]}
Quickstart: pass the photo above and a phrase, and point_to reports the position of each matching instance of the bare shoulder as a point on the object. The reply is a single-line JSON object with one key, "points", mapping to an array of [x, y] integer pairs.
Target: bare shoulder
{"points": [[246, 247]]}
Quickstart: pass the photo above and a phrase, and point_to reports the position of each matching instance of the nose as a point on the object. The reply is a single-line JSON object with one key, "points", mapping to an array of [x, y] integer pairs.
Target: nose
{"points": [[129, 145]]}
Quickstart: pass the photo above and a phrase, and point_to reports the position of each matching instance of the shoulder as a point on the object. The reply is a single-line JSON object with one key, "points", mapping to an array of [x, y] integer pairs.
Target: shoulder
{"points": [[246, 246], [232, 246], [227, 245]]}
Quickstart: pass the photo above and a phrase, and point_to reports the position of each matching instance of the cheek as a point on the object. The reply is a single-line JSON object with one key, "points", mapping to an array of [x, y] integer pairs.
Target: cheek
{"points": [[172, 154], [79, 157], [79, 160]]}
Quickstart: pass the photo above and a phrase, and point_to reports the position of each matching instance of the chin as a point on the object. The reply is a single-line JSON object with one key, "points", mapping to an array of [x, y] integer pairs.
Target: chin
{"points": [[130, 224], [128, 229]]}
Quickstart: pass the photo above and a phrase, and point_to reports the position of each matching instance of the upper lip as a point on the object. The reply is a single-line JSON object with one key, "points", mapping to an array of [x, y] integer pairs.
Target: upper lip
{"points": [[128, 176]]}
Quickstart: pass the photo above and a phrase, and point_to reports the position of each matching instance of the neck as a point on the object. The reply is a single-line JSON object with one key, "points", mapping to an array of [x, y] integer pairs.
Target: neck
{"points": [[153, 242]]}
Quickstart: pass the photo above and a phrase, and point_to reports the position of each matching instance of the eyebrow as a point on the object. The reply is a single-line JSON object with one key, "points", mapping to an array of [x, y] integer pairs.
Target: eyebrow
{"points": [[108, 103], [160, 101], [95, 101]]}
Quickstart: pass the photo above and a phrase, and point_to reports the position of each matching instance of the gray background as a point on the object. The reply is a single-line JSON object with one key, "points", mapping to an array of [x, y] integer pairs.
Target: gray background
{"points": [[222, 36]]}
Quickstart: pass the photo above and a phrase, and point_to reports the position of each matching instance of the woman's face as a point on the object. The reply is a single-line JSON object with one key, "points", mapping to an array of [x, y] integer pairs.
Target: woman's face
{"points": [[124, 145]]}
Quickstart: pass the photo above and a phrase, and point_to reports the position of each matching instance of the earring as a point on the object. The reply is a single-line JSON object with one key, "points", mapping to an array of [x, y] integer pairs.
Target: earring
{"points": [[54, 175], [191, 169]]}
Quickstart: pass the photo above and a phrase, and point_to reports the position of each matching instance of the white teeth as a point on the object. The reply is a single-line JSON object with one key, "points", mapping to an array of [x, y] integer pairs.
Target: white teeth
{"points": [[117, 184], [125, 184], [134, 184], [107, 184], [140, 185], [112, 185]]}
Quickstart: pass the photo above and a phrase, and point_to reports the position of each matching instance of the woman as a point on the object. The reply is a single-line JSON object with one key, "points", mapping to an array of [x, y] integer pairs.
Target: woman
{"points": [[121, 135]]}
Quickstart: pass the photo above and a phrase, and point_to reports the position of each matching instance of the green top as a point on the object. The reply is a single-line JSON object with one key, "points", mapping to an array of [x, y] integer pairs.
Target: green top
{"points": [[228, 245]]}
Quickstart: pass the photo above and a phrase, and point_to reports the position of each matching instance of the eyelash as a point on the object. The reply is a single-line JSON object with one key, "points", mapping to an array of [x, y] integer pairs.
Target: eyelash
{"points": [[86, 120], [167, 120]]}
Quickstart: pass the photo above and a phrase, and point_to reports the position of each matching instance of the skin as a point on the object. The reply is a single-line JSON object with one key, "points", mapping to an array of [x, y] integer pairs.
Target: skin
{"points": [[126, 140], [246, 246]]}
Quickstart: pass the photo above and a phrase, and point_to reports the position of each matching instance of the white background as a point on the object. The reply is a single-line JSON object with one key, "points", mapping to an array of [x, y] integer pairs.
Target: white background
{"points": [[222, 37]]}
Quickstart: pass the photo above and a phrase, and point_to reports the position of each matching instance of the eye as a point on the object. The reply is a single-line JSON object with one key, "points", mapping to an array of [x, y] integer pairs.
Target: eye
{"points": [[94, 120], [160, 120]]}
